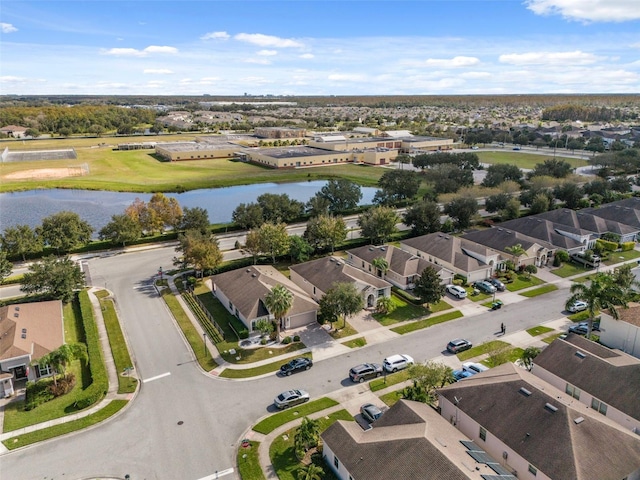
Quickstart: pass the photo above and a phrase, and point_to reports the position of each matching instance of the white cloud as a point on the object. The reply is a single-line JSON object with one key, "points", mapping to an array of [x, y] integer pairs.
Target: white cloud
{"points": [[588, 10], [267, 40], [307, 55], [549, 58], [257, 61], [347, 77], [132, 52], [7, 28], [215, 36], [12, 79], [454, 62], [267, 53], [475, 75], [161, 49], [635, 45], [158, 71]]}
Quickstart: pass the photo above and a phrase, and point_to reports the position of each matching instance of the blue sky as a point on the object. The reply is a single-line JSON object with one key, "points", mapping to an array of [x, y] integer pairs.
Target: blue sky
{"points": [[298, 47]]}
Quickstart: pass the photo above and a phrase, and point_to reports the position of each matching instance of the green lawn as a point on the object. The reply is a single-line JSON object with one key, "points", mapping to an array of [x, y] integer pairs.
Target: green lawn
{"points": [[344, 330], [539, 291], [539, 330], [249, 462], [618, 257], [276, 420], [427, 322], [388, 380], [510, 355], [570, 269], [255, 371], [403, 311], [481, 349], [523, 281], [524, 160], [391, 398], [355, 343], [250, 355], [551, 338]]}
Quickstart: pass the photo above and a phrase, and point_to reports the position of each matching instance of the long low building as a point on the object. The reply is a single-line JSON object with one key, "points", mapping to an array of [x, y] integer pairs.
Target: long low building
{"points": [[180, 151]]}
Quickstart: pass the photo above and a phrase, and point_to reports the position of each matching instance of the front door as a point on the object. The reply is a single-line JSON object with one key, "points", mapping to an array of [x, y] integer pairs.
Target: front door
{"points": [[20, 372]]}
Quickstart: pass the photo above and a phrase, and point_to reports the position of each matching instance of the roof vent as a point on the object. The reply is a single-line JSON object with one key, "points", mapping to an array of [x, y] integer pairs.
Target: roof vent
{"points": [[24, 330], [580, 354], [24, 335], [383, 249], [17, 308], [253, 275], [371, 249], [550, 407], [525, 392], [578, 420], [16, 314], [248, 270], [331, 259]]}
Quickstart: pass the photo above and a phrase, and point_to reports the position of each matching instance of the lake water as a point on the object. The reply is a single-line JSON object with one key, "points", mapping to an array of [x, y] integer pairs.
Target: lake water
{"points": [[97, 207]]}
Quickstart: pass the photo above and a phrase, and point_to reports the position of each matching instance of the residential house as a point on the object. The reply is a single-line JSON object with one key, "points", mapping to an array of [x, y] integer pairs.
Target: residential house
{"points": [[28, 332], [536, 431], [626, 211], [242, 292], [604, 380], [409, 441], [14, 131], [560, 236], [404, 268], [318, 276], [461, 256], [623, 333]]}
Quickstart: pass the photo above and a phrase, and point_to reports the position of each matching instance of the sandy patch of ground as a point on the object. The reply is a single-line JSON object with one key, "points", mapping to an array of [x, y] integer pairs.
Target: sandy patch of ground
{"points": [[46, 173]]}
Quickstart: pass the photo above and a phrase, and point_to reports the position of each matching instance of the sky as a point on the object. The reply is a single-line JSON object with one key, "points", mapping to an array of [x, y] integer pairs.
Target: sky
{"points": [[332, 47]]}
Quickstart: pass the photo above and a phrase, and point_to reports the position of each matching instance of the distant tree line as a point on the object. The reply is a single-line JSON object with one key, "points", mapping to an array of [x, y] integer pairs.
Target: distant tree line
{"points": [[573, 112]]}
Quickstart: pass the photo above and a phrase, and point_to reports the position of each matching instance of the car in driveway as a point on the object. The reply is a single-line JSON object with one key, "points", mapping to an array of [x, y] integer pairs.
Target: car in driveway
{"points": [[595, 326], [370, 412], [290, 398], [458, 345], [578, 306], [484, 286], [473, 367], [497, 283], [579, 329], [296, 365], [365, 371], [461, 374], [456, 290], [397, 362]]}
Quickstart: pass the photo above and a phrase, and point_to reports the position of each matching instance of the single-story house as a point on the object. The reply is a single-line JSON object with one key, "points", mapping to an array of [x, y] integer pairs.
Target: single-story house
{"points": [[563, 237], [625, 211], [537, 431], [28, 331], [318, 276], [461, 256], [604, 380], [404, 268], [14, 131], [242, 292], [624, 333]]}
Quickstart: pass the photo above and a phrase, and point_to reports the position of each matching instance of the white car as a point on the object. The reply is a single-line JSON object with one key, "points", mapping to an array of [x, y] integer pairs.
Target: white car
{"points": [[578, 306], [456, 290], [473, 367], [397, 362]]}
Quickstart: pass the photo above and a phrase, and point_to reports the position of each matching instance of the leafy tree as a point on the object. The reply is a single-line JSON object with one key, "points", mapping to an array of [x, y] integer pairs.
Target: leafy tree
{"points": [[122, 229], [499, 173], [166, 210], [498, 354], [624, 277], [570, 193], [530, 270], [64, 231], [511, 209], [61, 357], [448, 178], [396, 186], [20, 241], [56, 278], [462, 210], [342, 195], [595, 144], [620, 184], [429, 286], [541, 203], [199, 250], [495, 203], [306, 436], [6, 267], [253, 245], [342, 300], [528, 355], [423, 217], [552, 168], [378, 223], [310, 472], [325, 231], [601, 293], [274, 239], [196, 218], [248, 216], [317, 206], [299, 249], [426, 378], [264, 326], [279, 301], [279, 208], [32, 132], [385, 305]]}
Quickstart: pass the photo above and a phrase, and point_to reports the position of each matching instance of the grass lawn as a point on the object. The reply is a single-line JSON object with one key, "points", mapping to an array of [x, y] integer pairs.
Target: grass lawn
{"points": [[524, 160], [250, 355], [276, 420], [581, 316], [539, 330], [391, 398], [403, 311], [570, 269], [480, 296], [551, 338], [249, 462], [618, 257], [523, 281], [255, 371], [427, 322], [539, 291], [388, 380], [282, 454], [481, 349], [355, 343], [219, 313], [57, 430], [510, 355], [342, 332]]}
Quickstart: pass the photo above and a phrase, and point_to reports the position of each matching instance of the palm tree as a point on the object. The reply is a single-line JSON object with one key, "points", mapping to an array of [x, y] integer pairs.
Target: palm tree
{"points": [[602, 293], [307, 435], [279, 301], [381, 264], [311, 472], [61, 357], [516, 251]]}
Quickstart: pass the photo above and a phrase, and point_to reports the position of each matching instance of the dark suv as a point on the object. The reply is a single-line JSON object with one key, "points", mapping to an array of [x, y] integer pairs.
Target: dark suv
{"points": [[365, 371]]}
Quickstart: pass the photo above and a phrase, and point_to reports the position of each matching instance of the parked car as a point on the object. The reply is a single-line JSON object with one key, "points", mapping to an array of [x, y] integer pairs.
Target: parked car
{"points": [[458, 345], [397, 362], [475, 148], [578, 306], [484, 286], [497, 283], [473, 367], [579, 329], [290, 398], [456, 290], [295, 365], [365, 371], [461, 374], [595, 326], [516, 148], [370, 412]]}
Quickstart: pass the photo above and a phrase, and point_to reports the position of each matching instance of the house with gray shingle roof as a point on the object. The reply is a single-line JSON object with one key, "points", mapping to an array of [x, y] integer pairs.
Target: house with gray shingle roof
{"points": [[242, 292], [623, 333], [605, 380], [404, 268], [565, 237], [538, 431], [316, 277]]}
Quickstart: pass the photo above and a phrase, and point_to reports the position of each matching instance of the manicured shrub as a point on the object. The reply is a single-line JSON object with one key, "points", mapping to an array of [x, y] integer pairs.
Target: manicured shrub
{"points": [[286, 340], [607, 245], [263, 341], [296, 338], [243, 334], [627, 246]]}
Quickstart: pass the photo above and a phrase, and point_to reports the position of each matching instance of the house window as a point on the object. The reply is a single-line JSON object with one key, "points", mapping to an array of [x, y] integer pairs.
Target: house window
{"points": [[573, 391], [44, 370], [230, 305], [599, 406], [336, 462], [314, 290], [363, 264], [381, 293], [533, 470], [483, 434]]}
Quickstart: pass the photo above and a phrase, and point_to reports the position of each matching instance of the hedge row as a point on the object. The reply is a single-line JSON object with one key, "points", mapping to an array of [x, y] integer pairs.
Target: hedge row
{"points": [[99, 381]]}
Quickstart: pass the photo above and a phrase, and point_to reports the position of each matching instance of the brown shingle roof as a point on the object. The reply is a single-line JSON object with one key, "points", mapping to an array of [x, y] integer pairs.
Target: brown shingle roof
{"points": [[400, 262]]}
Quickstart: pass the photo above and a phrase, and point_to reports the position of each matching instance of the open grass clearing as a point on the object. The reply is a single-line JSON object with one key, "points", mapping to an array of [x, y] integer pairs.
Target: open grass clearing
{"points": [[570, 269], [551, 338], [618, 257], [539, 291], [255, 371], [582, 316], [523, 281], [248, 461], [251, 355], [276, 420], [427, 322], [402, 312], [524, 160], [389, 379], [507, 356], [391, 398], [539, 330], [355, 343], [481, 349]]}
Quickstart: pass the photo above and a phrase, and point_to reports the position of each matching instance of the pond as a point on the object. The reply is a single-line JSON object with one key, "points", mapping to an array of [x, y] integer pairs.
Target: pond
{"points": [[97, 207]]}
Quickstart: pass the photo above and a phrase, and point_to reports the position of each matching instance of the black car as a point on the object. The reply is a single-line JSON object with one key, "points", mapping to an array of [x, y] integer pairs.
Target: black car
{"points": [[365, 371], [497, 283], [295, 365], [579, 329], [458, 345]]}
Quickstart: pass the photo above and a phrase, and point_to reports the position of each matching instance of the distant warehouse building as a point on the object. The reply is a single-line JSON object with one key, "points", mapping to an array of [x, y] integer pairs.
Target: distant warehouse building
{"points": [[280, 132], [407, 144], [300, 156], [197, 150]]}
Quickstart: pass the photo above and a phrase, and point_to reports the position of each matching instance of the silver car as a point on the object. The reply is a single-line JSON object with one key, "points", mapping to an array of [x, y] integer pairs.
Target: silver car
{"points": [[290, 398]]}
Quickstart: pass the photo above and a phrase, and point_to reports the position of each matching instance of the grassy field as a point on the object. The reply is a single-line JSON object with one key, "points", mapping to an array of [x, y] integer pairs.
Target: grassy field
{"points": [[525, 160], [274, 421], [539, 291], [427, 322], [481, 349]]}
